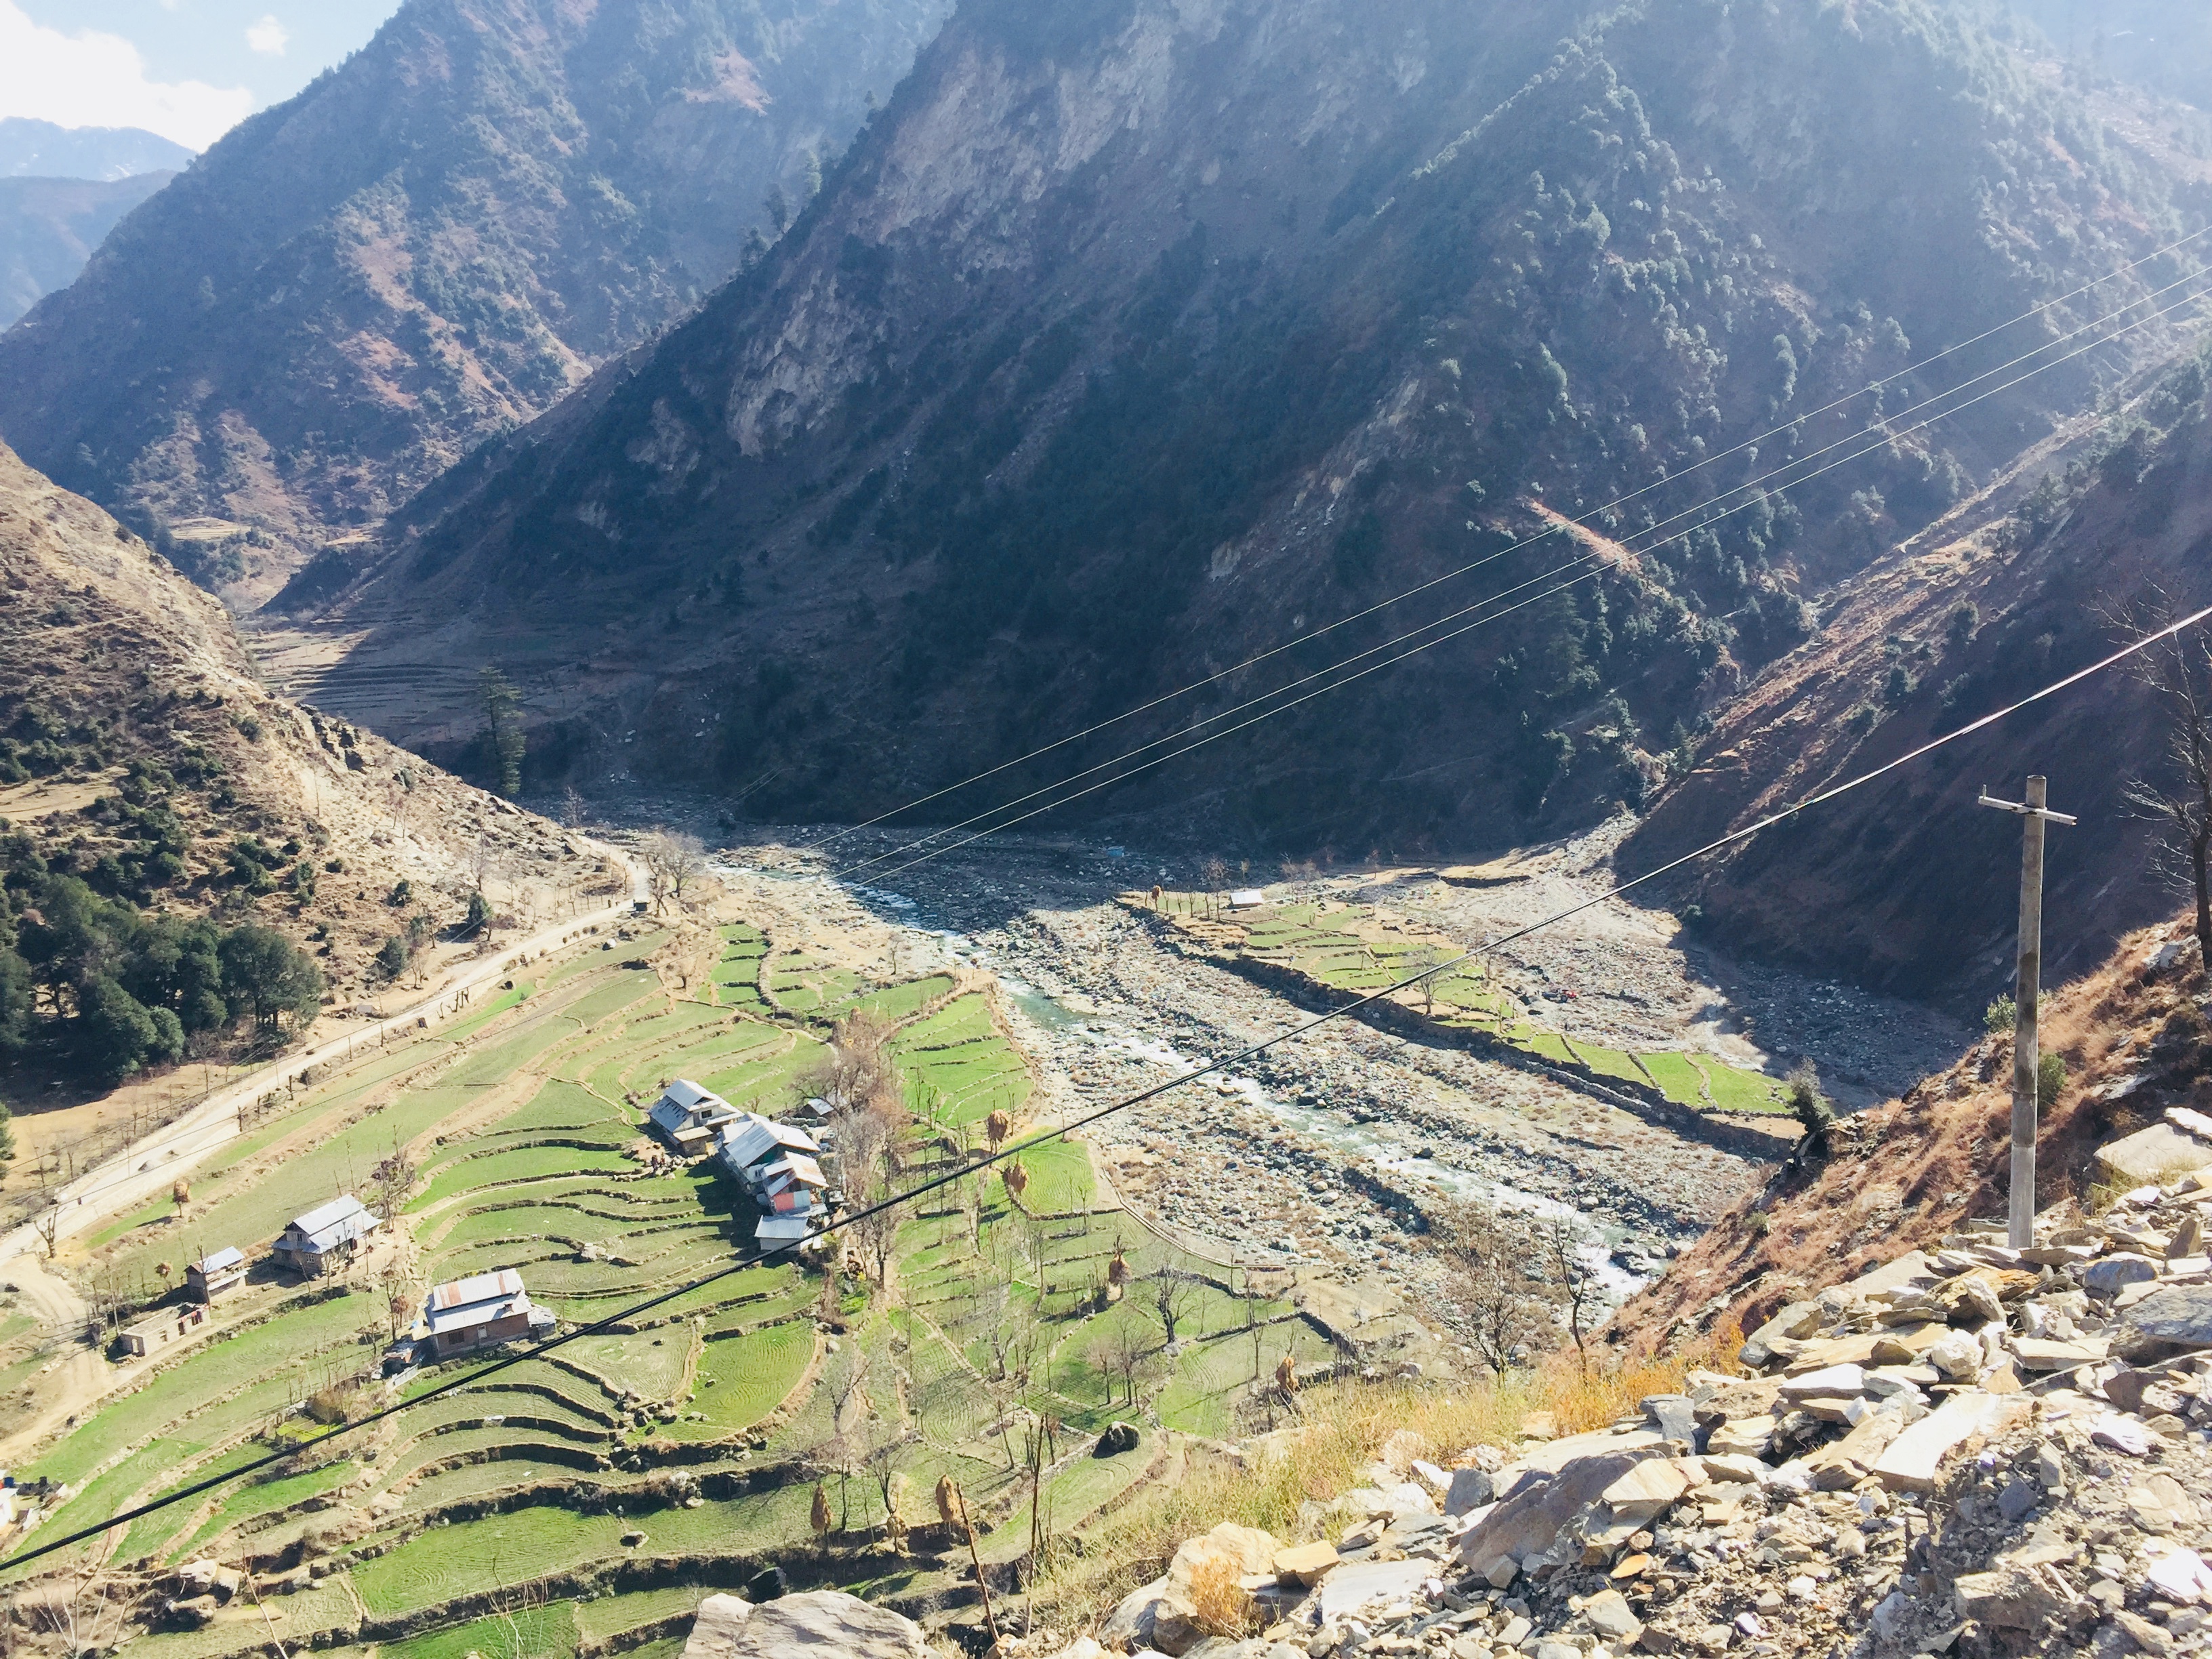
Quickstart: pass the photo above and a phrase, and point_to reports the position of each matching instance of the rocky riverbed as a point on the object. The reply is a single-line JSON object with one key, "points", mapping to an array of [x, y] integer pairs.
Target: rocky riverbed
{"points": [[1326, 1153]]}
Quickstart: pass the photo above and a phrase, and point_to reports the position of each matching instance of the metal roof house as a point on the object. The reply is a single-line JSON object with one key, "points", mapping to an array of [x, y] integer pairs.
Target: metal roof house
{"points": [[749, 1139], [776, 1163], [687, 1115], [212, 1275], [329, 1233], [479, 1312]]}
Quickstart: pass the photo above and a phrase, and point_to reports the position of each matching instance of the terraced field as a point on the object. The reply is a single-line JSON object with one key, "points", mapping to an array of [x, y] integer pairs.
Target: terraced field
{"points": [[488, 1518], [1344, 946]]}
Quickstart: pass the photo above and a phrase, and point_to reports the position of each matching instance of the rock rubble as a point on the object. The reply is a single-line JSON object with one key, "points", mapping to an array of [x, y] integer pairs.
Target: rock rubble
{"points": [[1973, 1450]]}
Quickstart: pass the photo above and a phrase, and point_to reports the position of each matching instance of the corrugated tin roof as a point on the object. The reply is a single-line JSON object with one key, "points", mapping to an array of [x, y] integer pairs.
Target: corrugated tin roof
{"points": [[749, 1137], [782, 1230], [231, 1256], [798, 1167], [334, 1222], [327, 1215], [479, 1287]]}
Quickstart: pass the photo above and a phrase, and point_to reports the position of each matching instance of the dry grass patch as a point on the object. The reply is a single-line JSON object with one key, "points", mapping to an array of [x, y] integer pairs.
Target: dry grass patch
{"points": [[1339, 1434]]}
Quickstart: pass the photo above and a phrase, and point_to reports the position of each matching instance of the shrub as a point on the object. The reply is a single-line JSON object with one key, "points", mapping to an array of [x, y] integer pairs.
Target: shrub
{"points": [[1998, 1018], [1812, 1108], [2049, 1079], [1220, 1606]]}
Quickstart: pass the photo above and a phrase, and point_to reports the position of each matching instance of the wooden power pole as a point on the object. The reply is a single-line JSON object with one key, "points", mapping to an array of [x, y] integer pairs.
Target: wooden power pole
{"points": [[2019, 1225]]}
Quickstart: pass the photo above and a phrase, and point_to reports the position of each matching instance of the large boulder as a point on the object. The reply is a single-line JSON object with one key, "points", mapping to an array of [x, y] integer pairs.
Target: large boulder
{"points": [[820, 1625], [2150, 1155], [1531, 1523], [2177, 1317]]}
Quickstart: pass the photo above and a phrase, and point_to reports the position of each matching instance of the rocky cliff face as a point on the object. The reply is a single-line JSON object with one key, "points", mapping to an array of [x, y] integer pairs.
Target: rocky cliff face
{"points": [[1136, 336], [428, 246]]}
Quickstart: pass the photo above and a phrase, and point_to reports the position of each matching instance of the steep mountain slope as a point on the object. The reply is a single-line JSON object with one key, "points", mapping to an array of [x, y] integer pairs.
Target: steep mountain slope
{"points": [[39, 149], [1906, 1173], [49, 228], [1135, 337], [2163, 44], [429, 245], [1905, 884], [140, 756]]}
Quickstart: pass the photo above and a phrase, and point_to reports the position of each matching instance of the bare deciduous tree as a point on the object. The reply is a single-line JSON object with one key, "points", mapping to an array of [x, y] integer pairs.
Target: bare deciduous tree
{"points": [[1492, 1265], [673, 860], [1563, 1244], [1174, 1294]]}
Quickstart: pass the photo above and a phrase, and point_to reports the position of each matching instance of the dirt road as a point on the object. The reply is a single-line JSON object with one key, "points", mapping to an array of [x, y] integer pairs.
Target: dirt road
{"points": [[146, 1169]]}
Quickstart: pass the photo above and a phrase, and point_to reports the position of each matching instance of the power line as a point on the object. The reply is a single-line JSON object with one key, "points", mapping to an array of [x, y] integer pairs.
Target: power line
{"points": [[1881, 437], [1619, 501], [1047, 1137]]}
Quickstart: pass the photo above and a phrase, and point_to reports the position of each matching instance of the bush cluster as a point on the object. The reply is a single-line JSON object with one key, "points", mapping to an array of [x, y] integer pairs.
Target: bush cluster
{"points": [[116, 989]]}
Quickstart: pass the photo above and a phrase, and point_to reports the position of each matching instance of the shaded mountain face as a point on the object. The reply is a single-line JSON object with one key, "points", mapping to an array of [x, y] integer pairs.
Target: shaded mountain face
{"points": [[49, 228], [429, 245], [1133, 338], [39, 149], [1906, 883]]}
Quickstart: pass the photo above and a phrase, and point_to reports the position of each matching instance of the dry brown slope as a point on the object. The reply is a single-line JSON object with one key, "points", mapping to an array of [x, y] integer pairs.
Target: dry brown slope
{"points": [[103, 642], [1904, 1174]]}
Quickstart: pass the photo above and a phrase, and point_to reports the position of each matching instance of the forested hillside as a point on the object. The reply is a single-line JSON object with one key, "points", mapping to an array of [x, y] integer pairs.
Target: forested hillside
{"points": [[1132, 338], [1908, 885], [186, 859], [427, 248]]}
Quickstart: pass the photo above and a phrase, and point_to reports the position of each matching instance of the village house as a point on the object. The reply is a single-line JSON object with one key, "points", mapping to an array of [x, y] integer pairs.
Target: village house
{"points": [[164, 1327], [212, 1275], [687, 1115], [328, 1234], [777, 1165], [478, 1312]]}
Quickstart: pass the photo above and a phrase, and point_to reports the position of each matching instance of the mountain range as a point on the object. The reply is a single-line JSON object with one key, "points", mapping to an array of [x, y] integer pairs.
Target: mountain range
{"points": [[1134, 339], [39, 149], [1606, 362], [429, 245]]}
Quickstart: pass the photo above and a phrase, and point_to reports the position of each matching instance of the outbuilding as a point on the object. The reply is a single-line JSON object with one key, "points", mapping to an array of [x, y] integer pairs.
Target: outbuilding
{"points": [[164, 1327], [212, 1275]]}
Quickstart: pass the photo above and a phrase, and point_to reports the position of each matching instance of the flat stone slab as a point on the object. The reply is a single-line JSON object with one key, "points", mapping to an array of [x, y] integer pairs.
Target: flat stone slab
{"points": [[2043, 1353], [1552, 1455], [1913, 1461], [1305, 1563], [2178, 1315], [1351, 1586], [824, 1621], [2159, 1153], [1912, 1271]]}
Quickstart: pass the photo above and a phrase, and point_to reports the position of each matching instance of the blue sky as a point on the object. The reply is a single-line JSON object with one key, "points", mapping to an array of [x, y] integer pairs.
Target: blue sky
{"points": [[188, 70]]}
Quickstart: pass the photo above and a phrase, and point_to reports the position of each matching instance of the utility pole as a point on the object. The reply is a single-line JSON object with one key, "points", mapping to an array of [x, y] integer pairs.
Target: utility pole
{"points": [[2020, 1226]]}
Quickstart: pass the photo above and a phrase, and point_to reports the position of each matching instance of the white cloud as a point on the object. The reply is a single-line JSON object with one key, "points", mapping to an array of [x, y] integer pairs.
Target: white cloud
{"points": [[268, 37], [94, 80]]}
